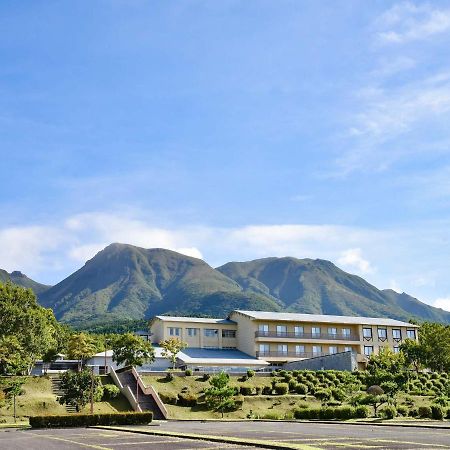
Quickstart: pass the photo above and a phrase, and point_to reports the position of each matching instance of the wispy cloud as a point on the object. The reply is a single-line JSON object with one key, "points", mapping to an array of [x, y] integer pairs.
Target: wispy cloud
{"points": [[406, 22], [443, 303], [352, 259]]}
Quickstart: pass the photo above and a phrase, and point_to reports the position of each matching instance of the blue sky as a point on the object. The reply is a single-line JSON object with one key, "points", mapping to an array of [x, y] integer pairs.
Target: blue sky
{"points": [[228, 130]]}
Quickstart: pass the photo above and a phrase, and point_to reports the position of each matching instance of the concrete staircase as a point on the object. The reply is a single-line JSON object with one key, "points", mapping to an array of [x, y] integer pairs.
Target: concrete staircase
{"points": [[56, 390], [145, 400]]}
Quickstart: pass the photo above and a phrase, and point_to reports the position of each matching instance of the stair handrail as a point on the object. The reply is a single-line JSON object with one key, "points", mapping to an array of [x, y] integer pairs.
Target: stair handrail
{"points": [[149, 390], [125, 390]]}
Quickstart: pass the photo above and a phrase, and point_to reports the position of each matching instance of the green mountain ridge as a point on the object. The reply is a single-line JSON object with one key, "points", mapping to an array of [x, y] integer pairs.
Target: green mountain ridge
{"points": [[123, 282], [20, 279]]}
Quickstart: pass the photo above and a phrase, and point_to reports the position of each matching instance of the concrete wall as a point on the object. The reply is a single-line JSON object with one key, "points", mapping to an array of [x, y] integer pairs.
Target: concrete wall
{"points": [[338, 361]]}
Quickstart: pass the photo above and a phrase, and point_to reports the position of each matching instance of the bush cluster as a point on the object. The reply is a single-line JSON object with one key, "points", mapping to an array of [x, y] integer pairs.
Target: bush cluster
{"points": [[83, 420], [187, 399], [331, 413], [110, 391]]}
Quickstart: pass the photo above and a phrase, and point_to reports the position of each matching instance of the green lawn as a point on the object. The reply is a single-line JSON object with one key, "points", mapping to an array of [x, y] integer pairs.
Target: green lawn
{"points": [[37, 399]]}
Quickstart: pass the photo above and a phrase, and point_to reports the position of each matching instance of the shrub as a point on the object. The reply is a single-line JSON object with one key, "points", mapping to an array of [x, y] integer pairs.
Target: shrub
{"points": [[388, 412], [329, 413], [188, 372], [441, 400], [169, 399], [301, 389], [271, 416], [250, 373], [402, 410], [169, 376], [187, 399], [110, 391], [238, 401], [292, 385], [307, 413], [413, 412], [258, 390], [246, 390], [437, 412], [323, 395], [267, 390], [424, 412], [362, 412], [338, 394], [83, 420], [206, 376], [281, 388]]}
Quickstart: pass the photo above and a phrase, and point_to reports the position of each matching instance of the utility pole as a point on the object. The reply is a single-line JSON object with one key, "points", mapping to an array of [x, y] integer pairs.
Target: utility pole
{"points": [[92, 390]]}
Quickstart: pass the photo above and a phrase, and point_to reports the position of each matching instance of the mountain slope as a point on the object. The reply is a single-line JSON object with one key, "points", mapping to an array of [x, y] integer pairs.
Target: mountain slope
{"points": [[318, 286], [123, 281], [19, 278]]}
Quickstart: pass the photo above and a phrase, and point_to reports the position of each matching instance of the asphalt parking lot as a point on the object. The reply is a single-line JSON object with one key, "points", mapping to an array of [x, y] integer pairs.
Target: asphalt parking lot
{"points": [[85, 438], [323, 436], [308, 436]]}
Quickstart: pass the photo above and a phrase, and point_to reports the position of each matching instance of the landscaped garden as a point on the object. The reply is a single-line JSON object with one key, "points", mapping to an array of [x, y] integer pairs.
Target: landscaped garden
{"points": [[311, 395]]}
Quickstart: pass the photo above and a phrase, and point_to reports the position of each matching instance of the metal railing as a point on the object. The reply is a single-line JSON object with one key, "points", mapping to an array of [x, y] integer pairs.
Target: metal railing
{"points": [[275, 354], [291, 335]]}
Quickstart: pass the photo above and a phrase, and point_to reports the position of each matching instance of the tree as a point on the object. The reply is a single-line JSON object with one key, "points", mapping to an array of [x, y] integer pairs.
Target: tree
{"points": [[78, 387], [13, 359], [434, 339], [171, 348], [81, 346], [220, 396], [375, 397], [131, 350], [413, 353], [49, 357], [22, 318], [12, 390]]}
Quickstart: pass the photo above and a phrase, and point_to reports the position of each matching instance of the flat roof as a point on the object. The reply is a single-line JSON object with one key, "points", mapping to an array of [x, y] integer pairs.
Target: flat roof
{"points": [[323, 318], [194, 320], [218, 356]]}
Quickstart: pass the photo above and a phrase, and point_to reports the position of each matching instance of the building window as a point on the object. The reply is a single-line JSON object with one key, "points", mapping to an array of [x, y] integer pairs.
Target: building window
{"points": [[299, 349], [317, 350], [332, 331], [382, 334], [191, 332], [346, 332], [174, 331], [263, 329], [348, 349], [229, 333], [281, 330], [411, 334], [368, 350], [397, 334], [264, 349], [396, 349], [315, 331], [210, 332], [332, 349], [298, 330], [283, 349], [367, 334]]}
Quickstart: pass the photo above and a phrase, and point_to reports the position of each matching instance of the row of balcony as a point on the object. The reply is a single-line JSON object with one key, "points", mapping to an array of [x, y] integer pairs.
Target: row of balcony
{"points": [[276, 354], [324, 336]]}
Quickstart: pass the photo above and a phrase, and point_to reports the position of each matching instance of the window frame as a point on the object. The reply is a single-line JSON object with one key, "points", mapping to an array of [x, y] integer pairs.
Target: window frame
{"points": [[368, 347]]}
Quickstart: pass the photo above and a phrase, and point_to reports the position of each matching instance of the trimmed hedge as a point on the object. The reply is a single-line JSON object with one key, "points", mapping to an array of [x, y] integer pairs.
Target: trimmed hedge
{"points": [[85, 420], [187, 399], [330, 413]]}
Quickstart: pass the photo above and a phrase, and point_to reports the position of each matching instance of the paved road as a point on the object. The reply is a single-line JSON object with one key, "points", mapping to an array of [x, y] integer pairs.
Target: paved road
{"points": [[85, 438], [315, 435], [323, 436]]}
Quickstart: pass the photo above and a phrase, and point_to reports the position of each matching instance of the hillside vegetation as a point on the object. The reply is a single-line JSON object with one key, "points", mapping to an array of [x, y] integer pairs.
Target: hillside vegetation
{"points": [[124, 283]]}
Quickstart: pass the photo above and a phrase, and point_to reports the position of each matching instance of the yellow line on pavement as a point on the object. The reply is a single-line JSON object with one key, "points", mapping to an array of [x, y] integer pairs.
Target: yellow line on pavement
{"points": [[81, 444], [387, 441]]}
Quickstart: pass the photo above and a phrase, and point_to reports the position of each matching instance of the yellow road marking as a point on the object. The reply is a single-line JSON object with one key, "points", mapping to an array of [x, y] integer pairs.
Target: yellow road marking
{"points": [[98, 447], [387, 441]]}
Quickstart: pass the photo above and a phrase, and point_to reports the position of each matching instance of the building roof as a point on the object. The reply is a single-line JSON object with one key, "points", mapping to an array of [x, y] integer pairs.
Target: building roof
{"points": [[323, 318], [109, 353], [194, 320], [219, 356]]}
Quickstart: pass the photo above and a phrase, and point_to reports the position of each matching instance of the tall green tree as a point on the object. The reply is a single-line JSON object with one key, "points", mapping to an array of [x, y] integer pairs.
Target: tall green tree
{"points": [[220, 396], [131, 350], [34, 327], [434, 339], [78, 387], [171, 348], [414, 353], [81, 346], [12, 390], [13, 358]]}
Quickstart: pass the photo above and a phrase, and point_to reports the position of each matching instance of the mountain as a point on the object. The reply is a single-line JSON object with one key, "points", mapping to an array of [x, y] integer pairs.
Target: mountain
{"points": [[127, 282], [319, 287], [124, 282], [21, 279]]}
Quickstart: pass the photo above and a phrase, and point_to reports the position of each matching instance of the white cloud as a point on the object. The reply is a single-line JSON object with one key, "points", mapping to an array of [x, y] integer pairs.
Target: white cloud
{"points": [[443, 303], [353, 259], [407, 22], [190, 251]]}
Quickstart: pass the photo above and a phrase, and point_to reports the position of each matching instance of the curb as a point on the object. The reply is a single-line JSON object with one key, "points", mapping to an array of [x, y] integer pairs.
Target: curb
{"points": [[220, 439]]}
